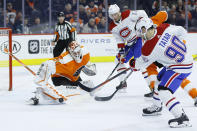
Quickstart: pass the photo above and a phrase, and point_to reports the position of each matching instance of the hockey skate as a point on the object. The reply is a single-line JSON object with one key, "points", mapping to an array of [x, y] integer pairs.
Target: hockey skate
{"points": [[149, 94], [33, 101], [179, 122], [152, 111], [44, 98], [122, 88]]}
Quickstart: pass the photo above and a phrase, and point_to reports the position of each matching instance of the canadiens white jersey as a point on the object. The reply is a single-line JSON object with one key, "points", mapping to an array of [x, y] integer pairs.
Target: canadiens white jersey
{"points": [[124, 31], [167, 48]]}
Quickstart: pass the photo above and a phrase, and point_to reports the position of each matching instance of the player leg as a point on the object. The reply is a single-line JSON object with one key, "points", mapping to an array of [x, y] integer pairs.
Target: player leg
{"points": [[156, 107], [59, 47], [188, 87], [150, 75], [43, 92], [121, 68], [44, 73], [169, 83]]}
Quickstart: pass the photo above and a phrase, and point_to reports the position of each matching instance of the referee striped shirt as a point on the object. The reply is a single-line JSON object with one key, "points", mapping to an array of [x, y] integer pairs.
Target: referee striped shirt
{"points": [[64, 31]]}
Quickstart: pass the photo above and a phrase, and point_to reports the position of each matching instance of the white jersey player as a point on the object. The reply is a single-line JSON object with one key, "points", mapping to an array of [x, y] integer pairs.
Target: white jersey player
{"points": [[164, 44], [123, 29]]}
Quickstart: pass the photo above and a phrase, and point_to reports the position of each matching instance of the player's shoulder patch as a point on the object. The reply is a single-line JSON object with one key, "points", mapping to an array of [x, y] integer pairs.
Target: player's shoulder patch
{"points": [[112, 25], [150, 44], [125, 14]]}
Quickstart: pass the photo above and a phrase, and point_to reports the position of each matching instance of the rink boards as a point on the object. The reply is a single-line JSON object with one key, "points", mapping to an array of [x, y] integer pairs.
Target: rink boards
{"points": [[35, 49]]}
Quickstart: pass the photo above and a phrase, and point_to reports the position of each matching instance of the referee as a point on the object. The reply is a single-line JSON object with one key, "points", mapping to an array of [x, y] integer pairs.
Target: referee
{"points": [[64, 34]]}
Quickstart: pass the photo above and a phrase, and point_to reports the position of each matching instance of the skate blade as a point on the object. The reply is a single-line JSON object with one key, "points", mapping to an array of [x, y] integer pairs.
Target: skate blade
{"points": [[153, 114], [184, 124]]}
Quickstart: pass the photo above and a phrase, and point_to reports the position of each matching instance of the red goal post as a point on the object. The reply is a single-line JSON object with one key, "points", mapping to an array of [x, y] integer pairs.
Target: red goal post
{"points": [[3, 33]]}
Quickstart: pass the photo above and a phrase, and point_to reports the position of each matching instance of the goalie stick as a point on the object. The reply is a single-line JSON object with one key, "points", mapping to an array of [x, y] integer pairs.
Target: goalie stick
{"points": [[33, 73], [107, 98]]}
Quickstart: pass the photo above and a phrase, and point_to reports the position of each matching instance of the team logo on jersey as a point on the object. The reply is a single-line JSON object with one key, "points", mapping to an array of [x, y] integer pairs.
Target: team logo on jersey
{"points": [[125, 32]]}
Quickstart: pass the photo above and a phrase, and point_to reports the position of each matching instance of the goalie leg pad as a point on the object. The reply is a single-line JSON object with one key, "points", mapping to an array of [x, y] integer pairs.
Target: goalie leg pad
{"points": [[44, 73], [42, 94]]}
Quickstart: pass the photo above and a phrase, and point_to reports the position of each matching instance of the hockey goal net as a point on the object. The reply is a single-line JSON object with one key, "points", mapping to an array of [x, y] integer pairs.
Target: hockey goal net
{"points": [[5, 59]]}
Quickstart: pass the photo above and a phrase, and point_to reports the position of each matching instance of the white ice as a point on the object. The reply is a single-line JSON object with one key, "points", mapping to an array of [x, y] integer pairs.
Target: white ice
{"points": [[122, 113]]}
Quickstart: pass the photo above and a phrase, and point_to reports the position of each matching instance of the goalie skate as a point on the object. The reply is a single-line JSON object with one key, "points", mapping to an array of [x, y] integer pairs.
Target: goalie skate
{"points": [[40, 95], [180, 122], [152, 111], [33, 101]]}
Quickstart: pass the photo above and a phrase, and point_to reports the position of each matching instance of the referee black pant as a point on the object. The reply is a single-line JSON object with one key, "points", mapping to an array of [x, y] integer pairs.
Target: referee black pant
{"points": [[60, 46]]}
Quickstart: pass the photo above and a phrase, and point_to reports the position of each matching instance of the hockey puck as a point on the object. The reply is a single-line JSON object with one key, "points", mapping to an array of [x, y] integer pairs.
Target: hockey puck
{"points": [[61, 100]]}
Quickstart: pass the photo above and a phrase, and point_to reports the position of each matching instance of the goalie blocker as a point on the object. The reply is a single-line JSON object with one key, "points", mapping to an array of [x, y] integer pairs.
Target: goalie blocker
{"points": [[66, 69]]}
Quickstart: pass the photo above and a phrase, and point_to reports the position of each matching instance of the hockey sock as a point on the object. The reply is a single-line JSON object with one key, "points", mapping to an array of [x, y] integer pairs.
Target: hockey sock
{"points": [[171, 103]]}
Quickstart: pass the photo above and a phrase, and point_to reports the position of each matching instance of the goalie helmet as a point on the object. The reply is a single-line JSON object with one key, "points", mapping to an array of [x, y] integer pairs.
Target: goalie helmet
{"points": [[75, 51], [112, 10], [145, 23]]}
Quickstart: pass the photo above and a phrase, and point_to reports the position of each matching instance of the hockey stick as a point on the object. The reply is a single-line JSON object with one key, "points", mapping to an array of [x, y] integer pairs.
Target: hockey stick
{"points": [[50, 86], [103, 83], [113, 70], [107, 98], [117, 65]]}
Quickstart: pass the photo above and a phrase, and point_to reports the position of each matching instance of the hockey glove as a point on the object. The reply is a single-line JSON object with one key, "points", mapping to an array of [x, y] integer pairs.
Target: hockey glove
{"points": [[121, 54], [132, 64]]}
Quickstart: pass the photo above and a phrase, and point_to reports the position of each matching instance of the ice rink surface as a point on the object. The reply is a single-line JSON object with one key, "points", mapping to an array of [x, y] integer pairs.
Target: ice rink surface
{"points": [[122, 113]]}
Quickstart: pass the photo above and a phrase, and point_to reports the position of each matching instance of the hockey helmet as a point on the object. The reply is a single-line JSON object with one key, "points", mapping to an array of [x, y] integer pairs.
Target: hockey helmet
{"points": [[113, 9], [60, 14], [145, 23]]}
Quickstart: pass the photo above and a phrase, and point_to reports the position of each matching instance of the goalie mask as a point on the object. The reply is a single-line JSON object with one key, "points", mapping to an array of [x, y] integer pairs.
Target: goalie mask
{"points": [[75, 51]]}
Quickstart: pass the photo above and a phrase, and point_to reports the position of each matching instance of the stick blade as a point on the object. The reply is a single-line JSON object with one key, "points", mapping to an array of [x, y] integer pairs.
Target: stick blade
{"points": [[107, 98]]}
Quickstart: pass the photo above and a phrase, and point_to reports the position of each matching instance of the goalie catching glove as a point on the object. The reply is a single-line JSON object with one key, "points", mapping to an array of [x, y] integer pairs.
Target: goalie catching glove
{"points": [[90, 69]]}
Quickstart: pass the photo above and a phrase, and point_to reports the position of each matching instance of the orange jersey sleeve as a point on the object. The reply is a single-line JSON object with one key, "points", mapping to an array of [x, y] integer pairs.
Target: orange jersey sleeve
{"points": [[160, 17]]}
